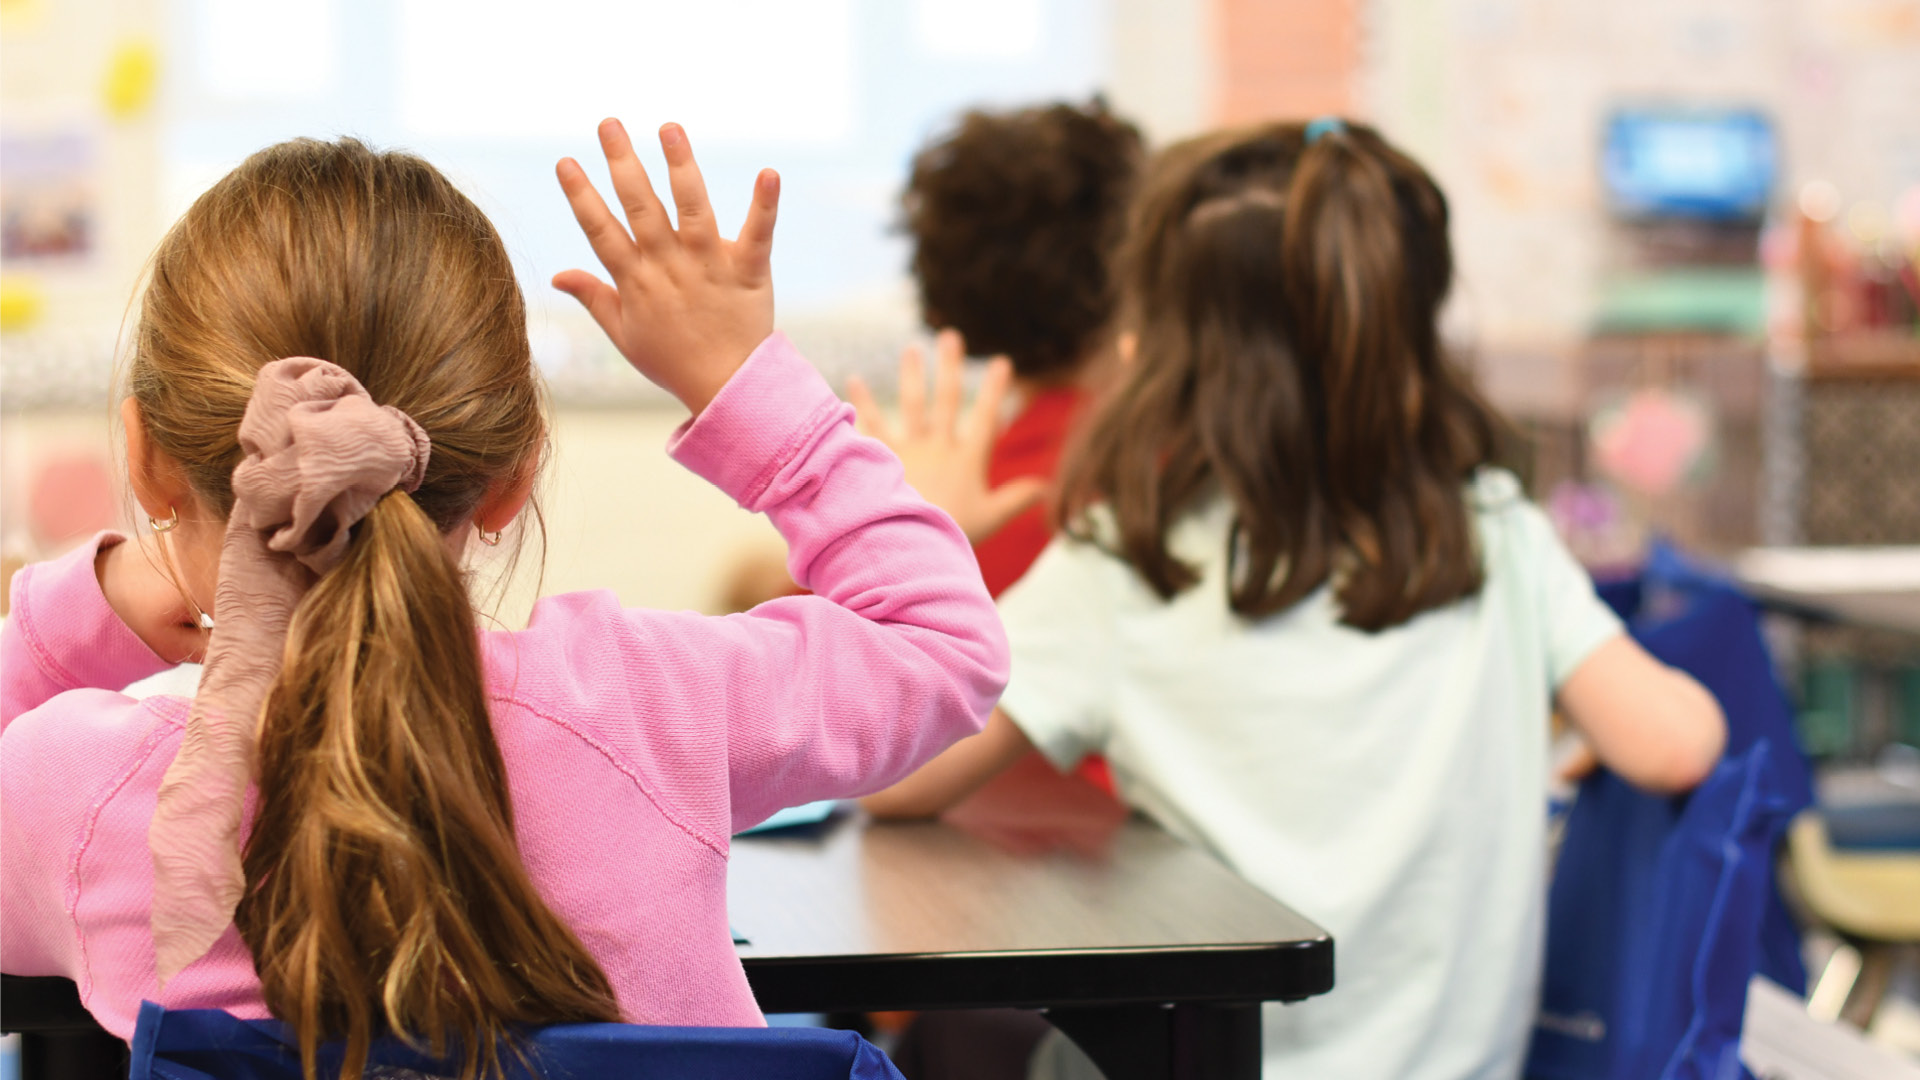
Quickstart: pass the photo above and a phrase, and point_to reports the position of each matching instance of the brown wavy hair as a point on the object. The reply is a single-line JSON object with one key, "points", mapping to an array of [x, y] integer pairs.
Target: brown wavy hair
{"points": [[1285, 295], [1014, 218], [384, 887]]}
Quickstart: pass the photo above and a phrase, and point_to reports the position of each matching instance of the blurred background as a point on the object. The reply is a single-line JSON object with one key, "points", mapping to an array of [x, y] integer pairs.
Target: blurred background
{"points": [[1687, 232]]}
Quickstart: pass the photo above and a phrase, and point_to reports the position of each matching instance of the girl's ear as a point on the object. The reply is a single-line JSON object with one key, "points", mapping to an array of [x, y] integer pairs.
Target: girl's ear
{"points": [[159, 483], [506, 498]]}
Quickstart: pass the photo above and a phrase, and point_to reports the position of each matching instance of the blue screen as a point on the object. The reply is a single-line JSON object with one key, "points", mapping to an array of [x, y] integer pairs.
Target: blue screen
{"points": [[1715, 166]]}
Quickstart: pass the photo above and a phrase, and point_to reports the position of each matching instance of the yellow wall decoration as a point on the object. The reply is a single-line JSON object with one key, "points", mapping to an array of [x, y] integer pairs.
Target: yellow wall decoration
{"points": [[133, 76], [21, 302]]}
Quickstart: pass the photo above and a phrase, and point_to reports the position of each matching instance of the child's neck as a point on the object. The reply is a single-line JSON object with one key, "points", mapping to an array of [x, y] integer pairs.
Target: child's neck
{"points": [[1087, 376]]}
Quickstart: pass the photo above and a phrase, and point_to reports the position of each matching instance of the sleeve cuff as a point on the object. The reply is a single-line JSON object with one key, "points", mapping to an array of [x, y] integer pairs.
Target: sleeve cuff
{"points": [[1058, 743], [1600, 626], [771, 409], [70, 630]]}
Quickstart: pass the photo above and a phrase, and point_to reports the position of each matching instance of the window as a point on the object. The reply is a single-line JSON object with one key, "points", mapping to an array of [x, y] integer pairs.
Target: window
{"points": [[836, 94]]}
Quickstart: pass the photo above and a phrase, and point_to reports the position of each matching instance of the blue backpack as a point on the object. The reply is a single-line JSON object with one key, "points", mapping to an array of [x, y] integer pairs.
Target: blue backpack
{"points": [[1662, 908], [208, 1044]]}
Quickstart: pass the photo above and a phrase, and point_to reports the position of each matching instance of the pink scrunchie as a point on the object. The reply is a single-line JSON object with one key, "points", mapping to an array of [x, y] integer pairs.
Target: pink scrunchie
{"points": [[319, 455]]}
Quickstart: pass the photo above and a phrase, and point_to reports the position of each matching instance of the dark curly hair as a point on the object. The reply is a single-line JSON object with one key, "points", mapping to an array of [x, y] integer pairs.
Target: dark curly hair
{"points": [[1014, 218]]}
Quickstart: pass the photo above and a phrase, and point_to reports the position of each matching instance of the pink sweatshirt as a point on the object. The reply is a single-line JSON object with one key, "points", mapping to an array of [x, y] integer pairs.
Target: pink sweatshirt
{"points": [[636, 742]]}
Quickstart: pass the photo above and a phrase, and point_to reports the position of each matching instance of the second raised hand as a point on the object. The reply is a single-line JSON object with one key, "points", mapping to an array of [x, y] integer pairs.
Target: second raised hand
{"points": [[686, 306], [946, 454]]}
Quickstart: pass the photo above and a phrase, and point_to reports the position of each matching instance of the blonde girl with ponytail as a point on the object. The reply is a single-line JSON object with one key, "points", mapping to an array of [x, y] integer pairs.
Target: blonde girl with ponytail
{"points": [[373, 818]]}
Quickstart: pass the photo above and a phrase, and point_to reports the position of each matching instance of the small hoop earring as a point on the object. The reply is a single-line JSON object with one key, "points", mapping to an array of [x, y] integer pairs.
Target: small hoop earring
{"points": [[173, 518], [491, 539]]}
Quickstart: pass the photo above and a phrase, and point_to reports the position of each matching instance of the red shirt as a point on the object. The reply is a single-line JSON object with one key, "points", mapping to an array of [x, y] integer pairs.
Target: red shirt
{"points": [[1030, 446]]}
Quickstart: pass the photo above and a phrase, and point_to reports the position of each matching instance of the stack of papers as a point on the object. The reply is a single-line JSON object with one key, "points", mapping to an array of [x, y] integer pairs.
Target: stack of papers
{"points": [[1779, 1041], [1833, 569]]}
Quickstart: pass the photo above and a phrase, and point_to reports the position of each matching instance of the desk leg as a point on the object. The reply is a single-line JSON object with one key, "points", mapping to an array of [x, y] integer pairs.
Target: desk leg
{"points": [[1128, 1042], [1216, 1042], [72, 1055], [1154, 1042]]}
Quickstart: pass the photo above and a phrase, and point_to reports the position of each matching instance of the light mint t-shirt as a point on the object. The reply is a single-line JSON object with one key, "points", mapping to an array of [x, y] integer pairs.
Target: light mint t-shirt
{"points": [[1390, 786]]}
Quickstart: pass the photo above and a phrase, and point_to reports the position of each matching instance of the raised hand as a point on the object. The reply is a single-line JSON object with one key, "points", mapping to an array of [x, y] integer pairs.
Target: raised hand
{"points": [[946, 455], [686, 306]]}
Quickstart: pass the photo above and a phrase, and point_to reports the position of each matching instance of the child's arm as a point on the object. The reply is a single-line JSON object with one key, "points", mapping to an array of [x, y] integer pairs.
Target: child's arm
{"points": [[64, 654], [899, 651], [958, 772], [1653, 725], [898, 654], [63, 634], [1061, 621], [59, 763]]}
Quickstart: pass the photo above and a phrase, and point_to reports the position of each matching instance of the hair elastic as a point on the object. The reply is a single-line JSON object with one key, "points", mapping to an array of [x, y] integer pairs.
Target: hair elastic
{"points": [[1324, 125], [319, 453]]}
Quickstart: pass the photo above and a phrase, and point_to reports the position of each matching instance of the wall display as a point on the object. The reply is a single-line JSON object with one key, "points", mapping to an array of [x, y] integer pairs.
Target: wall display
{"points": [[1653, 441], [1508, 103], [50, 191], [132, 79], [1689, 164]]}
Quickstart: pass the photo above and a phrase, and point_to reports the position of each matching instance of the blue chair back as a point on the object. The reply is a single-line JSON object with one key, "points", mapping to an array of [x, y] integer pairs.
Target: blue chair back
{"points": [[208, 1044], [1663, 908]]}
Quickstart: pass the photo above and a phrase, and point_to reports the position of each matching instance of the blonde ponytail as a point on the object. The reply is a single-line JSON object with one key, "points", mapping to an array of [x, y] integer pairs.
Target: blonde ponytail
{"points": [[385, 889]]}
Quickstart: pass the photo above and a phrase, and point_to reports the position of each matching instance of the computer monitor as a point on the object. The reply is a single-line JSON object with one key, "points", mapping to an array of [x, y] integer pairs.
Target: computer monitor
{"points": [[1689, 164]]}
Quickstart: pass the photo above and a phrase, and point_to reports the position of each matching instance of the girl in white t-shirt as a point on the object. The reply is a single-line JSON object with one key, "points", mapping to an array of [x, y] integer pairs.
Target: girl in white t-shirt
{"points": [[1308, 623]]}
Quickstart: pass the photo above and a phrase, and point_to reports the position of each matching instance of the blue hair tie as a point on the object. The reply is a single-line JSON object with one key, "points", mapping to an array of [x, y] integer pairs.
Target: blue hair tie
{"points": [[1324, 125]]}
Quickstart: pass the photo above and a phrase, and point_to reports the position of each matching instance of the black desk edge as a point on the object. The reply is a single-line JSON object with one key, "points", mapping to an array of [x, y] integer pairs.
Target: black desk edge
{"points": [[1100, 977], [40, 1004], [1281, 971]]}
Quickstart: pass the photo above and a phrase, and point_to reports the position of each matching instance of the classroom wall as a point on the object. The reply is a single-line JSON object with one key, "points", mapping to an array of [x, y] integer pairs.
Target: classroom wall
{"points": [[1162, 71], [623, 516], [620, 514], [88, 67], [1284, 58], [1504, 100]]}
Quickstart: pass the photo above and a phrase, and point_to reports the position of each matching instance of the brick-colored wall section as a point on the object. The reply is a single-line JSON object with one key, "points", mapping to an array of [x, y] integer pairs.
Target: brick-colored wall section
{"points": [[1287, 59]]}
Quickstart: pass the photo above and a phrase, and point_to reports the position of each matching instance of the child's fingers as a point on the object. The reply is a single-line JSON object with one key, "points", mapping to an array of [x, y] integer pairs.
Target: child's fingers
{"points": [[868, 417], [949, 376], [983, 422], [689, 187], [611, 244], [1010, 500], [913, 392], [645, 216], [756, 233], [601, 300]]}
